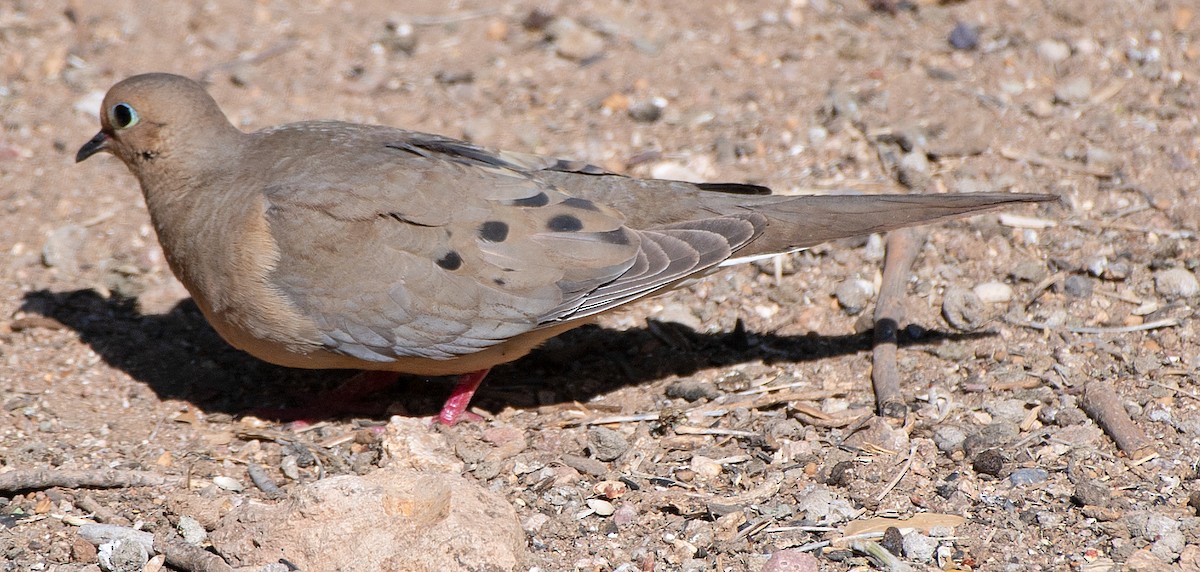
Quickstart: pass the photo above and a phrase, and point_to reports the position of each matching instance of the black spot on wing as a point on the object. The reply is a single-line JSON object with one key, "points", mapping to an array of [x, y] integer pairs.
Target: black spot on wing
{"points": [[734, 188], [451, 261], [493, 231], [399, 217], [564, 223], [538, 200], [619, 236], [578, 203]]}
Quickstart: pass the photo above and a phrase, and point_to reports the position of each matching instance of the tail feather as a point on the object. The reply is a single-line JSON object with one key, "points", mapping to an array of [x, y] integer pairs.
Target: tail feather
{"points": [[796, 222]]}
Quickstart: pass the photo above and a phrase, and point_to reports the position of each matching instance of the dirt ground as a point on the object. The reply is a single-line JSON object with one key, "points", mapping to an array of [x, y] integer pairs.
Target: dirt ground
{"points": [[105, 364]]}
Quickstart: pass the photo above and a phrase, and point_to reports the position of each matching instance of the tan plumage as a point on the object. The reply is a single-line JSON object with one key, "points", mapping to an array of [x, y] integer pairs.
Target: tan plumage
{"points": [[336, 245]]}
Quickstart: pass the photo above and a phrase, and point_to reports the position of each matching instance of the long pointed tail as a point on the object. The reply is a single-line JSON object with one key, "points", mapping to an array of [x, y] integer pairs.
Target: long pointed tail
{"points": [[803, 221]]}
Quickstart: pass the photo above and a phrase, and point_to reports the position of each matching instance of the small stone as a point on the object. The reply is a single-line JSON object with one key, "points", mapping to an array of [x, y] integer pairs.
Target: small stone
{"points": [[892, 540], [191, 530], [1053, 51], [1098, 157], [400, 39], [705, 467], [680, 314], [993, 292], [1029, 271], [61, 249], [1077, 286], [918, 547], [1022, 477], [123, 555], [964, 36], [601, 507], [1074, 90], [1090, 492], [989, 462], [585, 465], [791, 560], [948, 438], [606, 444], [535, 522], [626, 515], [874, 249], [692, 390], [228, 484], [1176, 283], [854, 294], [648, 111], [574, 41], [990, 436], [962, 309], [913, 171], [1010, 410]]}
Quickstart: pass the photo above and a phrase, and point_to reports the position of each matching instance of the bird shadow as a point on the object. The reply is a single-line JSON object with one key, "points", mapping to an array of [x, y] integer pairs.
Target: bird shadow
{"points": [[180, 357]]}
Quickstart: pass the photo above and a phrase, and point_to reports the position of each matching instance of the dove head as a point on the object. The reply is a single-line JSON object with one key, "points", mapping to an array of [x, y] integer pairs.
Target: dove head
{"points": [[160, 120]]}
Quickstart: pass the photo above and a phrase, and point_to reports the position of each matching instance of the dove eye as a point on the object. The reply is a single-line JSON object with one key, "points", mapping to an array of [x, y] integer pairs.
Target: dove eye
{"points": [[122, 116]]}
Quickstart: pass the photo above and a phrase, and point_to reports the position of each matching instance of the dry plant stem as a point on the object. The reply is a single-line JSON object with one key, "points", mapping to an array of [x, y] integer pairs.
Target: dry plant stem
{"points": [[184, 556], [902, 249], [37, 479], [1102, 404], [100, 512]]}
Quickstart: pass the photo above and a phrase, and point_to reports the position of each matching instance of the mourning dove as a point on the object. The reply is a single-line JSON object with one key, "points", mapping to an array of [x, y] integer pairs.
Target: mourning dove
{"points": [[325, 244]]}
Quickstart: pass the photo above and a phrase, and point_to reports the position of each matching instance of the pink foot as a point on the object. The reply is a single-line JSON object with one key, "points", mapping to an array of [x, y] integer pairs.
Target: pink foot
{"points": [[455, 407]]}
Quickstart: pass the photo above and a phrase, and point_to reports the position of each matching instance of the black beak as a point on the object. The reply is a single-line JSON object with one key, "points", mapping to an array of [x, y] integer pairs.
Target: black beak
{"points": [[94, 145]]}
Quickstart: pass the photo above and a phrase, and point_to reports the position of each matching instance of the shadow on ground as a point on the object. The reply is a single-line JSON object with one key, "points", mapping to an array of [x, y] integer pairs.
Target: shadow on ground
{"points": [[180, 357]]}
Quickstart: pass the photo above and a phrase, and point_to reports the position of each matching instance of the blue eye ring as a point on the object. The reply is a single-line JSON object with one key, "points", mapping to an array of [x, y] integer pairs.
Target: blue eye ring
{"points": [[122, 116]]}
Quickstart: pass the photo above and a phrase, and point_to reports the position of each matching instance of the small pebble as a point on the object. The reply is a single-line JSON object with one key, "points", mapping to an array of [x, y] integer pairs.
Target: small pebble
{"points": [[918, 547], [1176, 283], [993, 292], [913, 171], [962, 309], [648, 111], [791, 560], [1029, 271], [606, 444], [191, 530], [854, 294], [705, 467], [228, 484], [625, 515], [1099, 157], [1077, 286], [964, 36], [989, 462], [1090, 492], [948, 438], [875, 248], [1075, 90], [123, 555], [892, 541], [61, 249], [1022, 477], [692, 390], [1053, 51], [574, 41], [601, 507]]}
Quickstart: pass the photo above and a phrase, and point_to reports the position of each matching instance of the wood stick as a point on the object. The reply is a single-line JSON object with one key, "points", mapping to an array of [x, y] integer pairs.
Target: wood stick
{"points": [[37, 479], [1101, 402], [902, 249]]}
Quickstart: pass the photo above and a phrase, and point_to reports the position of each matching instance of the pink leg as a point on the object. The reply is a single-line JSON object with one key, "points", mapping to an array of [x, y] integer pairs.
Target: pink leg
{"points": [[460, 398]]}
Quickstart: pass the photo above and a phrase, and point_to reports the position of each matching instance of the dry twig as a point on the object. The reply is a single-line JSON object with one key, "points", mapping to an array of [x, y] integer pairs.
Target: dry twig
{"points": [[1101, 402], [902, 249], [37, 479]]}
